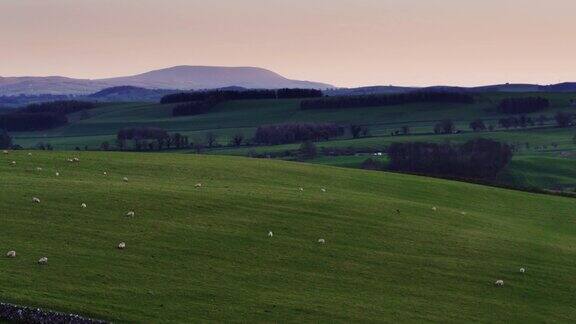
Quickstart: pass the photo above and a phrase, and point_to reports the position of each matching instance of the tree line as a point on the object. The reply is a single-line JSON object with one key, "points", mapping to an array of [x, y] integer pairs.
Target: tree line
{"points": [[147, 138], [296, 132], [387, 100], [523, 105], [42, 116], [478, 158], [226, 95]]}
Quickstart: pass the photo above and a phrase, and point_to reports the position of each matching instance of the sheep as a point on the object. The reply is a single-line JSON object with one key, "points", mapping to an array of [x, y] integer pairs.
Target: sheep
{"points": [[125, 179], [57, 173], [301, 189], [522, 270], [29, 154], [105, 173], [323, 190], [38, 169], [5, 152], [43, 260], [499, 283], [121, 245], [13, 162], [76, 159], [36, 200], [198, 185], [69, 160], [322, 241], [130, 214], [463, 213], [83, 205], [434, 208], [270, 234], [11, 254]]}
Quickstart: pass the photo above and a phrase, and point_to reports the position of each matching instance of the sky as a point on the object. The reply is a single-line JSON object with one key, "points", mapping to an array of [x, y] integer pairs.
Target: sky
{"points": [[341, 42]]}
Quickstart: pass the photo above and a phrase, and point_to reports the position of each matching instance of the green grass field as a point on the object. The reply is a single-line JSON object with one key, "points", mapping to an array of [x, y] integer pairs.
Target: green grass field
{"points": [[547, 144], [203, 254]]}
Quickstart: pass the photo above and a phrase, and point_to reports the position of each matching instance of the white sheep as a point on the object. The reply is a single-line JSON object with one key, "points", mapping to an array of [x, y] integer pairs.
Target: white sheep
{"points": [[130, 214], [463, 213], [36, 200], [121, 245], [322, 241], [13, 162], [434, 208], [5, 152], [105, 173], [323, 190], [270, 234], [499, 283], [83, 205], [301, 189], [125, 179], [11, 254], [57, 173], [76, 159], [522, 270], [29, 154], [38, 169], [69, 160], [198, 185], [43, 260]]}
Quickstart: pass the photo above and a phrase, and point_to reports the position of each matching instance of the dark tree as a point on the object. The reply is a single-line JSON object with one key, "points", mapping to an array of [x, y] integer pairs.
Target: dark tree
{"points": [[105, 146], [405, 130], [564, 119], [295, 133], [522, 105], [237, 139], [446, 126], [372, 164], [478, 125], [5, 139], [211, 139], [355, 130], [307, 150]]}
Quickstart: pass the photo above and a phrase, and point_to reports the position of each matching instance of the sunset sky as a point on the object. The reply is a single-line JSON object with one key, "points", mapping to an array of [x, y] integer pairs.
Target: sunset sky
{"points": [[342, 42]]}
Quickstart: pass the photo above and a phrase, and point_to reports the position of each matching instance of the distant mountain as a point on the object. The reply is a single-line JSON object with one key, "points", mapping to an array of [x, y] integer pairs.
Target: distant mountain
{"points": [[178, 77]]}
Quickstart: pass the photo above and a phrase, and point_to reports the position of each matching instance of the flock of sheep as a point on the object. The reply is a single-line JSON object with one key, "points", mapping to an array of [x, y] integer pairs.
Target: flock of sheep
{"points": [[122, 245]]}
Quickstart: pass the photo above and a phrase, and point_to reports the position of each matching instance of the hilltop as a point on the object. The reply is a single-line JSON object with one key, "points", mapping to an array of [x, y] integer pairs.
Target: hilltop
{"points": [[182, 77], [204, 253]]}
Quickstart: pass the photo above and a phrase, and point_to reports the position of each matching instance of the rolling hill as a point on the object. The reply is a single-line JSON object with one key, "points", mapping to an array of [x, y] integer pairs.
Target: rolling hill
{"points": [[179, 77], [203, 254]]}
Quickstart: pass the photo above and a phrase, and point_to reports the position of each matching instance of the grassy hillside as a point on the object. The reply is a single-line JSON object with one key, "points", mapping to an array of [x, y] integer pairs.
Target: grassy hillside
{"points": [[203, 253]]}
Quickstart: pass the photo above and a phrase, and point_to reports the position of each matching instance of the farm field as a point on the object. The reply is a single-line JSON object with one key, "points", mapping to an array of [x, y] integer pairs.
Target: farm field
{"points": [[204, 252]]}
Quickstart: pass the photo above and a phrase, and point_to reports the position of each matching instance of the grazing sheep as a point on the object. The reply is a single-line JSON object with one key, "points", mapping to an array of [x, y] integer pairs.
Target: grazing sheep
{"points": [[434, 208], [463, 213], [125, 179], [323, 190], [121, 245], [301, 189], [270, 234], [198, 185], [105, 173], [57, 173], [36, 200], [499, 283], [69, 160], [29, 154], [13, 162], [130, 214], [522, 270], [5, 152], [322, 241], [38, 169], [43, 260], [76, 159], [83, 205], [11, 254]]}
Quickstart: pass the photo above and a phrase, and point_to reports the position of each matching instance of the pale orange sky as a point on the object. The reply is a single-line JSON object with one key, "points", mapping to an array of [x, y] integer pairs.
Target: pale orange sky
{"points": [[342, 42]]}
